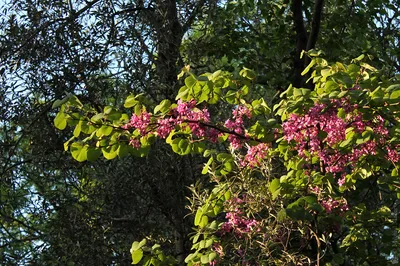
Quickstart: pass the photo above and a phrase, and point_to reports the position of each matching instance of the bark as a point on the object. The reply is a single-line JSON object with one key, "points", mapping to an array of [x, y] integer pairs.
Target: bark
{"points": [[305, 41], [169, 35], [301, 41], [312, 39]]}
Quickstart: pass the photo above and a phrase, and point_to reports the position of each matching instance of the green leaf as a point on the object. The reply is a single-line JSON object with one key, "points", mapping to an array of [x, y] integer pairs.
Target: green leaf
{"points": [[74, 101], [130, 101], [142, 243], [97, 118], [359, 58], [163, 106], [367, 66], [198, 147], [341, 113], [207, 165], [110, 152], [138, 109], [353, 70], [394, 173], [181, 146], [205, 259], [107, 110], [60, 121], [137, 256], [190, 257], [58, 103], [198, 216], [222, 157], [66, 144], [78, 151], [123, 150], [216, 74], [195, 238], [274, 185], [114, 116], [395, 94], [329, 87], [203, 221], [182, 94], [190, 81], [312, 63], [228, 195], [104, 131], [93, 154], [212, 256], [78, 128], [247, 73], [281, 216], [87, 128], [124, 119], [274, 188]]}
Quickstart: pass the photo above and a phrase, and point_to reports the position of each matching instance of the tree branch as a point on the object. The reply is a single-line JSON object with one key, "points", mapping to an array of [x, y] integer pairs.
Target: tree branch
{"points": [[312, 38], [316, 24], [73, 15], [301, 41], [192, 16]]}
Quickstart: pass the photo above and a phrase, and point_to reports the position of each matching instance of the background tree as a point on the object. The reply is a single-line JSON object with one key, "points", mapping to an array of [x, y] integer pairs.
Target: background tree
{"points": [[103, 51]]}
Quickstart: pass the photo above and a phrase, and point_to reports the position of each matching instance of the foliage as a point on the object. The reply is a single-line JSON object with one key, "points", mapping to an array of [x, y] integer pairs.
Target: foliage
{"points": [[55, 210], [314, 180]]}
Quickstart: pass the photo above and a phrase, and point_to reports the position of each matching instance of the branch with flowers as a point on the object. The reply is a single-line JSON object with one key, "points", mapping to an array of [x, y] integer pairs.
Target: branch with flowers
{"points": [[289, 181]]}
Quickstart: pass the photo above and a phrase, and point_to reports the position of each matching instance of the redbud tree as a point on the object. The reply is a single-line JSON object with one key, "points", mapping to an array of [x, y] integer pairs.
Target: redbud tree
{"points": [[310, 180]]}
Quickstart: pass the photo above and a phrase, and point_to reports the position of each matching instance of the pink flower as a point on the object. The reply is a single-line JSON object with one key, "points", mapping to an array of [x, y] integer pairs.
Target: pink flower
{"points": [[135, 143], [139, 122], [331, 205], [315, 190], [185, 107], [235, 142], [237, 223], [186, 112], [255, 155], [342, 180], [237, 125], [165, 126], [218, 249], [320, 130], [393, 155], [212, 134]]}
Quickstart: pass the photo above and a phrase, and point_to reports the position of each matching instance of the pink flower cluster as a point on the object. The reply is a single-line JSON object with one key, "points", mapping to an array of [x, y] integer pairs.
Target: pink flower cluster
{"points": [[186, 115], [393, 154], [331, 205], [220, 251], [134, 143], [319, 131], [236, 221], [139, 121], [185, 112], [237, 125], [304, 130], [255, 155], [165, 126]]}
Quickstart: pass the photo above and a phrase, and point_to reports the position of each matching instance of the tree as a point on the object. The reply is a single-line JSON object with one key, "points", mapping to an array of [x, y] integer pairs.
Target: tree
{"points": [[92, 49], [102, 51], [334, 202]]}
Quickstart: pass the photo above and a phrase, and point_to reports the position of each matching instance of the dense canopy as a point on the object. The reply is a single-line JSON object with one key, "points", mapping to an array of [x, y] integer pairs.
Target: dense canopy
{"points": [[61, 203]]}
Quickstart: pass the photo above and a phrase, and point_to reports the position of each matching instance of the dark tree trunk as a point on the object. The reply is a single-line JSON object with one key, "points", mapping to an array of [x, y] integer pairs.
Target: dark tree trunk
{"points": [[304, 41], [169, 35], [301, 41]]}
